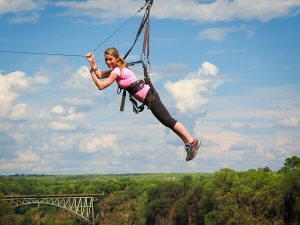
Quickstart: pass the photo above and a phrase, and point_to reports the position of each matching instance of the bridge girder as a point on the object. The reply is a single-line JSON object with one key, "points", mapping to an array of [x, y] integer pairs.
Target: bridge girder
{"points": [[79, 205]]}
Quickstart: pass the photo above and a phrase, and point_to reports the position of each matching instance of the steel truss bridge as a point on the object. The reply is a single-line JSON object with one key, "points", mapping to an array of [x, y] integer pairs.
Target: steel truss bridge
{"points": [[81, 205]]}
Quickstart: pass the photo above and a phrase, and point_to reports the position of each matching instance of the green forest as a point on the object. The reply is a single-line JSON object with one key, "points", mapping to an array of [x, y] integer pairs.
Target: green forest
{"points": [[226, 197]]}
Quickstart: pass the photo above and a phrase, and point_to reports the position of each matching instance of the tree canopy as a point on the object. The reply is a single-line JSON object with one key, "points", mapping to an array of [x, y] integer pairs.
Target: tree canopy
{"points": [[257, 196]]}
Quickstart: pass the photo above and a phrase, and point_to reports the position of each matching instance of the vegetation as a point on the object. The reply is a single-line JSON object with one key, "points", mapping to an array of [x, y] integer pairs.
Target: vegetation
{"points": [[258, 196]]}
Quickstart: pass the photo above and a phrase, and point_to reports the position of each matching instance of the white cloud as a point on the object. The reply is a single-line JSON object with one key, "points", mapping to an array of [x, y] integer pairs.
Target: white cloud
{"points": [[18, 137], [26, 18], [27, 156], [235, 125], [61, 126], [192, 92], [214, 34], [17, 6], [58, 109], [101, 9], [290, 122], [24, 160], [11, 85], [15, 86], [222, 10], [219, 10], [243, 129], [187, 93], [218, 140], [244, 149], [13, 166], [219, 34], [39, 79], [281, 145], [19, 112], [22, 11], [276, 102], [96, 144], [72, 115], [208, 69], [77, 101], [67, 114], [81, 80], [104, 10], [237, 132], [63, 143]]}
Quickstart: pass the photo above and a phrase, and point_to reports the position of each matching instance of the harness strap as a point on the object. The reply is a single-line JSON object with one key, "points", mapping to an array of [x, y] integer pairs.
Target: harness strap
{"points": [[135, 108], [149, 99], [146, 15], [146, 44], [146, 53], [132, 89], [122, 106]]}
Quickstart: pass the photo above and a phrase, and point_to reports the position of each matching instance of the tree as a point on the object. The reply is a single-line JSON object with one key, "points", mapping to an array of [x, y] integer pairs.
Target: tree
{"points": [[7, 215], [27, 218], [291, 189], [290, 164]]}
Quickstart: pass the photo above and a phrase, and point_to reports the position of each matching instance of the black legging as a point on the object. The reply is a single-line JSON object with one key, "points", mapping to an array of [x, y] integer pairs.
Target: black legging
{"points": [[160, 112]]}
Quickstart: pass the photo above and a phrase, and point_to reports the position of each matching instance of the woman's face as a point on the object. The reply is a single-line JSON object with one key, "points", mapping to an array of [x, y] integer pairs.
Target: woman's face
{"points": [[110, 61]]}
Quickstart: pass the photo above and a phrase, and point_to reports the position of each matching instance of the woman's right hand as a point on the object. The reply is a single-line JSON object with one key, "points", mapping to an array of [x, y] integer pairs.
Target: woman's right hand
{"points": [[90, 57]]}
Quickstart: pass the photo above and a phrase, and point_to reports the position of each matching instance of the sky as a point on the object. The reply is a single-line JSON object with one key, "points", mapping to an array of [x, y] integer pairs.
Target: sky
{"points": [[228, 70]]}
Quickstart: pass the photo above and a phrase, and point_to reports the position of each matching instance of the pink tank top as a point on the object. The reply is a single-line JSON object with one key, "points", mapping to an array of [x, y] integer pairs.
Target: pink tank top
{"points": [[125, 78]]}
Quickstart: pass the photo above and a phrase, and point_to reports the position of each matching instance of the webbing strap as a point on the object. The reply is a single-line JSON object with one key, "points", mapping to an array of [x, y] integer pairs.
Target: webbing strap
{"points": [[122, 106], [146, 44], [135, 108], [145, 20], [138, 32], [146, 50]]}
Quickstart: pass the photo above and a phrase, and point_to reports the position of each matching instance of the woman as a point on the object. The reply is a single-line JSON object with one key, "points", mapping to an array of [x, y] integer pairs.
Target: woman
{"points": [[126, 79]]}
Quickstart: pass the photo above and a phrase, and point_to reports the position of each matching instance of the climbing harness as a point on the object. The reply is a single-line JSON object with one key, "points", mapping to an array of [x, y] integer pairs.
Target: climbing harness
{"points": [[138, 85]]}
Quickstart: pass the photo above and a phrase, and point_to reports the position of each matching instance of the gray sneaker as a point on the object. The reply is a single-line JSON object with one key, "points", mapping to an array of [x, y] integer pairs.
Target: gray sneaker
{"points": [[192, 149], [187, 148]]}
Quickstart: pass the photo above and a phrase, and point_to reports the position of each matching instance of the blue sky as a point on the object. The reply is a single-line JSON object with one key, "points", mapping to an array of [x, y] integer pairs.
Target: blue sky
{"points": [[228, 70]]}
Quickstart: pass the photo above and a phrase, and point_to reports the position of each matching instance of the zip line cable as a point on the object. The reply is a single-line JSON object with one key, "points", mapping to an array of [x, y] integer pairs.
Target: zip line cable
{"points": [[75, 55], [40, 53]]}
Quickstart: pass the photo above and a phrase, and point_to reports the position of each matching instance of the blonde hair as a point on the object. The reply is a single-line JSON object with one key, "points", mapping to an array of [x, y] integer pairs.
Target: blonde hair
{"points": [[120, 62]]}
